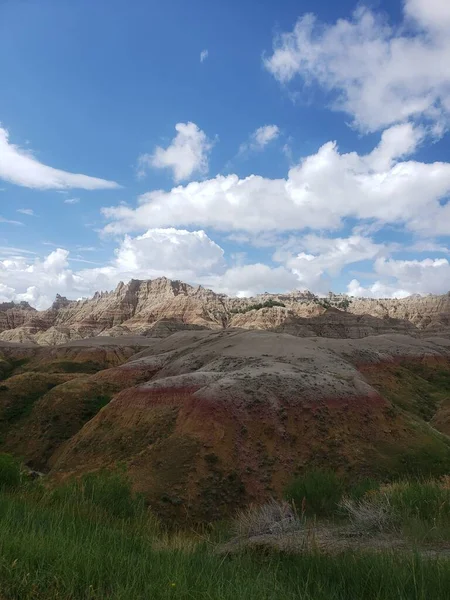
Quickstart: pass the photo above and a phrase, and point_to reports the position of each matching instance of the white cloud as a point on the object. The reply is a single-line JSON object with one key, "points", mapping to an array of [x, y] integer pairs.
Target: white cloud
{"points": [[323, 258], [179, 254], [26, 211], [318, 193], [260, 138], [195, 258], [249, 280], [263, 135], [400, 278], [169, 250], [432, 14], [11, 251], [71, 201], [9, 221], [187, 154], [379, 74], [20, 167], [203, 55]]}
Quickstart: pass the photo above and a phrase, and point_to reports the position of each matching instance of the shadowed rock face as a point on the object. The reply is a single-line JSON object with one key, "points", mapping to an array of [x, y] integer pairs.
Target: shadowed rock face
{"points": [[207, 421], [140, 307]]}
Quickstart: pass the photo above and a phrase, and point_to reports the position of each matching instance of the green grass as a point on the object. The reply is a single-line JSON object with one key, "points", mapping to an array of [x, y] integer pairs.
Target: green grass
{"points": [[425, 500], [61, 551], [415, 387], [10, 472], [106, 490], [93, 539], [258, 306], [316, 492], [71, 366]]}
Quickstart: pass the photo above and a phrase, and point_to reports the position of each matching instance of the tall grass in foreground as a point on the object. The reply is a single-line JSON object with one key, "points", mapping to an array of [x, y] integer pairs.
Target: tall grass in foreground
{"points": [[68, 549], [93, 539], [318, 491]]}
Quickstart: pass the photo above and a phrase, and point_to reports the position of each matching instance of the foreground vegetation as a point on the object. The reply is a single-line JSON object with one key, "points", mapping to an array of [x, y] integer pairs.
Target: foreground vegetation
{"points": [[94, 539]]}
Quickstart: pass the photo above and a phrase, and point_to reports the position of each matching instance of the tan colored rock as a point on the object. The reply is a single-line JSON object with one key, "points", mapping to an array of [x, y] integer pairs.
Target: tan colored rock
{"points": [[159, 307]]}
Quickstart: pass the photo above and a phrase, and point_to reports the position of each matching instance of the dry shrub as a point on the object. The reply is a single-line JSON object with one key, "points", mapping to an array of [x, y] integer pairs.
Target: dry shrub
{"points": [[371, 514], [444, 482], [270, 518]]}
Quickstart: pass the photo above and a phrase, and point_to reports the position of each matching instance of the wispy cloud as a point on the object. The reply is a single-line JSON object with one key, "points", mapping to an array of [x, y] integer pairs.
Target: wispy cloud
{"points": [[12, 251], [259, 139], [204, 55], [26, 211], [10, 221], [19, 166], [87, 248], [83, 260], [71, 201]]}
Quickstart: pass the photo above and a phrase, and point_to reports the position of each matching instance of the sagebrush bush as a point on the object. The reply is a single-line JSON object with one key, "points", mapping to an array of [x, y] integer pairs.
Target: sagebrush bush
{"points": [[272, 517], [316, 492], [10, 472], [370, 514]]}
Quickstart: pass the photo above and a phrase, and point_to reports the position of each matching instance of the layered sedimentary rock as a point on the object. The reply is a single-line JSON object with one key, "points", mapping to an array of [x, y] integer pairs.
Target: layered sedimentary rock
{"points": [[207, 421], [161, 306]]}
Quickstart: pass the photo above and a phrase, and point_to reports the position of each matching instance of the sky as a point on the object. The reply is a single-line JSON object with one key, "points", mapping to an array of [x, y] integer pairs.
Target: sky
{"points": [[245, 146]]}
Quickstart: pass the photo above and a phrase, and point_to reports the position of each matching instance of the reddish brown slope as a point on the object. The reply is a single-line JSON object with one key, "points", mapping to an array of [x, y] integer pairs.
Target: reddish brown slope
{"points": [[230, 417]]}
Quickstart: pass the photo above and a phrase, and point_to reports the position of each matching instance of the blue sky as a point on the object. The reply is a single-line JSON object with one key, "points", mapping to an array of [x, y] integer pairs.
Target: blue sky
{"points": [[247, 146]]}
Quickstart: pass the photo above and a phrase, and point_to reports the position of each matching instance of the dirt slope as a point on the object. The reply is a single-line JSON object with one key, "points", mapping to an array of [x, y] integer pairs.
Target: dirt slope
{"points": [[229, 417]]}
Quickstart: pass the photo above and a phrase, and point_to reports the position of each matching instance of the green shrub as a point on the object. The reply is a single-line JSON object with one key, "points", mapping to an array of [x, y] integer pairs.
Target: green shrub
{"points": [[424, 500], [67, 366], [259, 306], [316, 492], [10, 472], [431, 460], [357, 490], [108, 490]]}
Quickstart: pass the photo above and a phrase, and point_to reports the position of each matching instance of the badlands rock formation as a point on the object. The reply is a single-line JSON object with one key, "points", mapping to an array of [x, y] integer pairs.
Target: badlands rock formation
{"points": [[208, 421], [161, 306]]}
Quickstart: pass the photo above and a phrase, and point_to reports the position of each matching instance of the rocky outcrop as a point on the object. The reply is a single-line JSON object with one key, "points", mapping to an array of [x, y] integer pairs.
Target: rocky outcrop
{"points": [[14, 315], [160, 307], [428, 313]]}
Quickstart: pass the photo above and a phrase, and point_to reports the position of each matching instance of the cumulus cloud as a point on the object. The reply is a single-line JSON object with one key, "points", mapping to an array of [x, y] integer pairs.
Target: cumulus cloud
{"points": [[187, 154], [179, 254], [167, 250], [323, 258], [379, 74], [400, 278], [249, 280], [20, 167], [318, 193], [203, 55], [194, 257]]}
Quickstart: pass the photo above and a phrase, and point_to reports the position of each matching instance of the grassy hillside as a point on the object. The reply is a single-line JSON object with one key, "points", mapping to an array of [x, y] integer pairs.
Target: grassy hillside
{"points": [[94, 539]]}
